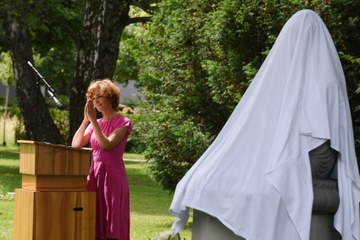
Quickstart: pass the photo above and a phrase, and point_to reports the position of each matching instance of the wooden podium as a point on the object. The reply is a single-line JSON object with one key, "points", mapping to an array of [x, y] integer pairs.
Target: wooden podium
{"points": [[53, 202]]}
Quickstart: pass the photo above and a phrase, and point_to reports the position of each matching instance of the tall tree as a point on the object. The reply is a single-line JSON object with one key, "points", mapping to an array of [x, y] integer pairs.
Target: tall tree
{"points": [[37, 119], [98, 48]]}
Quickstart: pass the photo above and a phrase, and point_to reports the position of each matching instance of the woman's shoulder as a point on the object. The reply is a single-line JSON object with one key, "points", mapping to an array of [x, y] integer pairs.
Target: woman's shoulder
{"points": [[123, 121], [119, 118], [122, 117]]}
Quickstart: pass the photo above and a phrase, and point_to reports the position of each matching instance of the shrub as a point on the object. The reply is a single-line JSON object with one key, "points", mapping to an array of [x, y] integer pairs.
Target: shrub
{"points": [[135, 143], [172, 145]]}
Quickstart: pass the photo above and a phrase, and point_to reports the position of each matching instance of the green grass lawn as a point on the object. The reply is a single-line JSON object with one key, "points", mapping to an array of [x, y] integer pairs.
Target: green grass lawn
{"points": [[149, 202], [9, 180]]}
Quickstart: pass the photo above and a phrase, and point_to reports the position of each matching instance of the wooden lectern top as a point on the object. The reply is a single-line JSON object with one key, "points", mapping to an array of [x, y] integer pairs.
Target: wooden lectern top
{"points": [[41, 158]]}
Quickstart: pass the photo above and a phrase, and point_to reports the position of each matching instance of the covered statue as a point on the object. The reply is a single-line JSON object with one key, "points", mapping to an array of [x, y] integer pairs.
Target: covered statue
{"points": [[256, 177]]}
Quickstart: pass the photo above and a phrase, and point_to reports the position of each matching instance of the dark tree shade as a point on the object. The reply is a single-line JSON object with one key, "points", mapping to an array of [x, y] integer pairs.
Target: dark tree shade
{"points": [[38, 123]]}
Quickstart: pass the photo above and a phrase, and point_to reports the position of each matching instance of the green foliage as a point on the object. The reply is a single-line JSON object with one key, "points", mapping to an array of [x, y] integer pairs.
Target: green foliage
{"points": [[54, 26], [12, 108], [135, 143], [171, 62], [127, 67], [58, 26], [61, 120], [196, 59], [204, 53], [6, 69], [20, 132], [60, 117], [173, 144], [57, 67]]}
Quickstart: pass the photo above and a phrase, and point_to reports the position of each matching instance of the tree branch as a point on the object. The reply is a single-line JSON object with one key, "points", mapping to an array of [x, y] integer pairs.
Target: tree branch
{"points": [[138, 20]]}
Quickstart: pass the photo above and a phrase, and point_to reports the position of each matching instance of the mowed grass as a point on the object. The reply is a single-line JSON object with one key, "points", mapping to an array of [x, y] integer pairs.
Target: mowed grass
{"points": [[9, 180], [149, 202], [149, 205]]}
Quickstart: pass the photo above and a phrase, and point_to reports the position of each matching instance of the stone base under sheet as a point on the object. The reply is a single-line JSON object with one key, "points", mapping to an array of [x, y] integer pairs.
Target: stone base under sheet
{"points": [[206, 227]]}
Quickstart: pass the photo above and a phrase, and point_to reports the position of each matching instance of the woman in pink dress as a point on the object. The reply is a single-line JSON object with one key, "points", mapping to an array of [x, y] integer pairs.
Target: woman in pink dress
{"points": [[107, 176]]}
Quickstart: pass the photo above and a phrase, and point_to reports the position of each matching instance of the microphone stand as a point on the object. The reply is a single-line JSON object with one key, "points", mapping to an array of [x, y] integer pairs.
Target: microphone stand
{"points": [[49, 89]]}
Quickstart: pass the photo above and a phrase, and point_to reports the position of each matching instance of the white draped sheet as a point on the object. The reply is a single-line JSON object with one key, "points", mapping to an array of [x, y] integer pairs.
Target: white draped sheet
{"points": [[255, 177]]}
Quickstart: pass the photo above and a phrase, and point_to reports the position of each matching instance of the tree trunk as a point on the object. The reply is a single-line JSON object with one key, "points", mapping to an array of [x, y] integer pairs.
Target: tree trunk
{"points": [[38, 123], [98, 51]]}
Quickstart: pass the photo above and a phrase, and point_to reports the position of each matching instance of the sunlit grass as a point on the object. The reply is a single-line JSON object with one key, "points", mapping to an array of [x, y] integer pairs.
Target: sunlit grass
{"points": [[133, 156], [6, 219], [149, 205]]}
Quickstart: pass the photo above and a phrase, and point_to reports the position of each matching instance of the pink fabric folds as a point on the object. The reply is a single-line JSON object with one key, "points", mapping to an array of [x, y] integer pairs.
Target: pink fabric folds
{"points": [[107, 177]]}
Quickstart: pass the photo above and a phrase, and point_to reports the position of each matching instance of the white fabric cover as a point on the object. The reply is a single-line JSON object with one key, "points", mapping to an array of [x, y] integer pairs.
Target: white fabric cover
{"points": [[255, 177]]}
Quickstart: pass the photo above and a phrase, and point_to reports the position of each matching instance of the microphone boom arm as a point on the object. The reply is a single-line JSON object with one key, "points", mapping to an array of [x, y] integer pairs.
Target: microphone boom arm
{"points": [[49, 89]]}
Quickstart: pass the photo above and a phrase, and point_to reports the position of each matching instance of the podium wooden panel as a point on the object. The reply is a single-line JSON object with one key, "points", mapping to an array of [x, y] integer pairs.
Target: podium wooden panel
{"points": [[53, 202], [38, 158]]}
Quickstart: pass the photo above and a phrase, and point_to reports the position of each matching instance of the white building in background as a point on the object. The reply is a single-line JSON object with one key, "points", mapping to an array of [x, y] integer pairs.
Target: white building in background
{"points": [[128, 91]]}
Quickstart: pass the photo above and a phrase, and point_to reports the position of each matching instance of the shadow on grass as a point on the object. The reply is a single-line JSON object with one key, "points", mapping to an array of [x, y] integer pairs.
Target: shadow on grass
{"points": [[10, 178], [9, 155]]}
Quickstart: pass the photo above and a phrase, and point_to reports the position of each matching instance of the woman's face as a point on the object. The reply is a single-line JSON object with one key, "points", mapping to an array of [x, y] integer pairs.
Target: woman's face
{"points": [[101, 103]]}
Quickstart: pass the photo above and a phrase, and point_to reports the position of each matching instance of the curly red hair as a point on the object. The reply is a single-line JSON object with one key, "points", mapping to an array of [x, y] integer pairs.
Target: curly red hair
{"points": [[106, 88]]}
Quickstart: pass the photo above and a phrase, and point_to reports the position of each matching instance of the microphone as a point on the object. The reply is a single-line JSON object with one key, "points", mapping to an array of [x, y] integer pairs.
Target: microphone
{"points": [[49, 90], [58, 104]]}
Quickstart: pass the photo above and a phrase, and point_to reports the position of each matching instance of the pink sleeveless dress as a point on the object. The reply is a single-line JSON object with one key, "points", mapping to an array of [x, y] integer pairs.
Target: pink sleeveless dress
{"points": [[107, 177]]}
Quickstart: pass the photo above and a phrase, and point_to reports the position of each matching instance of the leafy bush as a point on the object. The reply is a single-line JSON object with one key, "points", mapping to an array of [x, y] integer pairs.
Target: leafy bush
{"points": [[135, 143], [172, 145]]}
